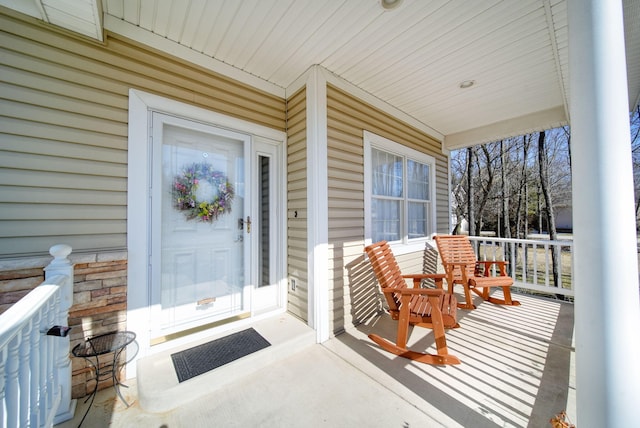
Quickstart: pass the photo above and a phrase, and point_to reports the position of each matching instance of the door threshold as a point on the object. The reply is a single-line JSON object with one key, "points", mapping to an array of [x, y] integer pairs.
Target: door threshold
{"points": [[179, 334]]}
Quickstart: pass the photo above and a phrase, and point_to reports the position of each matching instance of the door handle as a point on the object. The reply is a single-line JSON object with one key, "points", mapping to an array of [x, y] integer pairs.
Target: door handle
{"points": [[242, 222]]}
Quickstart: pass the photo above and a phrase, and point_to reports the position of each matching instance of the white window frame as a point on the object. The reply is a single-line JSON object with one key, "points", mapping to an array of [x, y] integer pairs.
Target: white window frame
{"points": [[404, 245]]}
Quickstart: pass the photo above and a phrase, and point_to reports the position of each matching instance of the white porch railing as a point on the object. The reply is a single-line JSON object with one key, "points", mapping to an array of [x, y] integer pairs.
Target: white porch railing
{"points": [[35, 368], [531, 262]]}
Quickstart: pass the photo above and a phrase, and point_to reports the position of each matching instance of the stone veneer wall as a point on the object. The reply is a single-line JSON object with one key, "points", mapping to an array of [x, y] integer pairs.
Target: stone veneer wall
{"points": [[99, 306], [17, 283], [99, 302]]}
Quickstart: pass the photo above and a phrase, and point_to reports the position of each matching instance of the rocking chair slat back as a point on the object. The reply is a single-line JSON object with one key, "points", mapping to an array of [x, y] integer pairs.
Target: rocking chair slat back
{"points": [[387, 272], [430, 308], [454, 250]]}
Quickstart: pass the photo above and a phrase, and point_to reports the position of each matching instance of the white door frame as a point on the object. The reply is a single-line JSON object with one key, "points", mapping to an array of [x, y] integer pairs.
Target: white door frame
{"points": [[277, 291], [138, 224]]}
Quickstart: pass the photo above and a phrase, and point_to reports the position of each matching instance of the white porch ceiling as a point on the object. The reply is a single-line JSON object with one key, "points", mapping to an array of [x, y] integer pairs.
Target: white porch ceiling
{"points": [[413, 57]]}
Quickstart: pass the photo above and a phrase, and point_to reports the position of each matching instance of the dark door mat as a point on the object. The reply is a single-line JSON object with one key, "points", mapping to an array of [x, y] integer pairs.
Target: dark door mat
{"points": [[208, 356]]}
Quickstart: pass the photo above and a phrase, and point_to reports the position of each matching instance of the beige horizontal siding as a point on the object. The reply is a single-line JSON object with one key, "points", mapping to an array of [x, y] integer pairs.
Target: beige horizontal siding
{"points": [[30, 179], [20, 75], [298, 299], [347, 118], [53, 133], [19, 228], [35, 163], [53, 148], [41, 195], [63, 130], [22, 100], [24, 244], [59, 211]]}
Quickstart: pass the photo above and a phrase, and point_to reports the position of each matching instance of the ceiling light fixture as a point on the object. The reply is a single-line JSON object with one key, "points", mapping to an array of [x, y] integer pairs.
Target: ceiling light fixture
{"points": [[467, 84], [390, 4]]}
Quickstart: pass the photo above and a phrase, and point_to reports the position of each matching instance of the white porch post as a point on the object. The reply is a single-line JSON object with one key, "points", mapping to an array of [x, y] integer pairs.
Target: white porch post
{"points": [[61, 265], [607, 309], [317, 200]]}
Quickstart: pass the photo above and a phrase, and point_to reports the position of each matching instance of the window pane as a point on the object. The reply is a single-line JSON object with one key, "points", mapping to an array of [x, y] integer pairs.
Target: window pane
{"points": [[418, 219], [417, 180], [387, 174], [385, 220], [264, 276]]}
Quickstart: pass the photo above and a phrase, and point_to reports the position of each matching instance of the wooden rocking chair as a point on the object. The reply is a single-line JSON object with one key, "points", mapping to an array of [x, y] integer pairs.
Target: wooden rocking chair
{"points": [[423, 307], [462, 267]]}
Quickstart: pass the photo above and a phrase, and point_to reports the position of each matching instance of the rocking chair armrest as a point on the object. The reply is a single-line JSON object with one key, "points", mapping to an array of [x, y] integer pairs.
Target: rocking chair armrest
{"points": [[426, 275], [492, 262], [418, 291]]}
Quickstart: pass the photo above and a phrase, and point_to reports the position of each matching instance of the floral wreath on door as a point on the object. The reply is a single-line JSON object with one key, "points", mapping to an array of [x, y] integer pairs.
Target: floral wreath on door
{"points": [[202, 192]]}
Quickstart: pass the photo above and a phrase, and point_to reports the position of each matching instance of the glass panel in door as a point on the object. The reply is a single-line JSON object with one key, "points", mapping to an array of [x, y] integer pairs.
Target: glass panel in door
{"points": [[264, 236], [199, 259], [268, 291]]}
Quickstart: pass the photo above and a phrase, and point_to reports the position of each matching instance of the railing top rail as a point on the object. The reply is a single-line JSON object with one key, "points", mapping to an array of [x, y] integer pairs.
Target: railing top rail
{"points": [[567, 243], [13, 319]]}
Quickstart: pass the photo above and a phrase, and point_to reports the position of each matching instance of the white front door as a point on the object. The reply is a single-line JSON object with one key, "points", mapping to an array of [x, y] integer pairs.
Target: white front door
{"points": [[201, 245]]}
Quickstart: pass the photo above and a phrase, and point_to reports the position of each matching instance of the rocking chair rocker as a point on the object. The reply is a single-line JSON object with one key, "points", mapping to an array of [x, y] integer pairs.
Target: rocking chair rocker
{"points": [[423, 307]]}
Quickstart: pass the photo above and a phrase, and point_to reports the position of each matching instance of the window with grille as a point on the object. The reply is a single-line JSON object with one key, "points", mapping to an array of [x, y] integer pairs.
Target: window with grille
{"points": [[398, 191]]}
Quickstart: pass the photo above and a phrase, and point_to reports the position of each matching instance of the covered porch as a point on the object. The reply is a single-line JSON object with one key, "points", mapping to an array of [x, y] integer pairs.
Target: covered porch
{"points": [[517, 371], [437, 75]]}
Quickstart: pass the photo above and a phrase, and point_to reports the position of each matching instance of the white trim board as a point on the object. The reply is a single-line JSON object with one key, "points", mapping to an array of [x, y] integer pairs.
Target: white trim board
{"points": [[552, 118], [317, 204]]}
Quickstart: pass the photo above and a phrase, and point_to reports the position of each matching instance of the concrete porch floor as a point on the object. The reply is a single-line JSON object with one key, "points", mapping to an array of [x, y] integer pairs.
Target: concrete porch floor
{"points": [[517, 371]]}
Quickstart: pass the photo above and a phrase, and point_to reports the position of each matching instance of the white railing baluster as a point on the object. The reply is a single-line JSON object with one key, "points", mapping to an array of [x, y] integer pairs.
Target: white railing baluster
{"points": [[44, 346], [47, 341], [12, 386], [51, 390], [535, 263], [24, 376], [572, 273], [59, 354], [513, 258], [34, 365], [546, 264], [43, 367], [559, 264], [3, 365], [525, 259]]}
